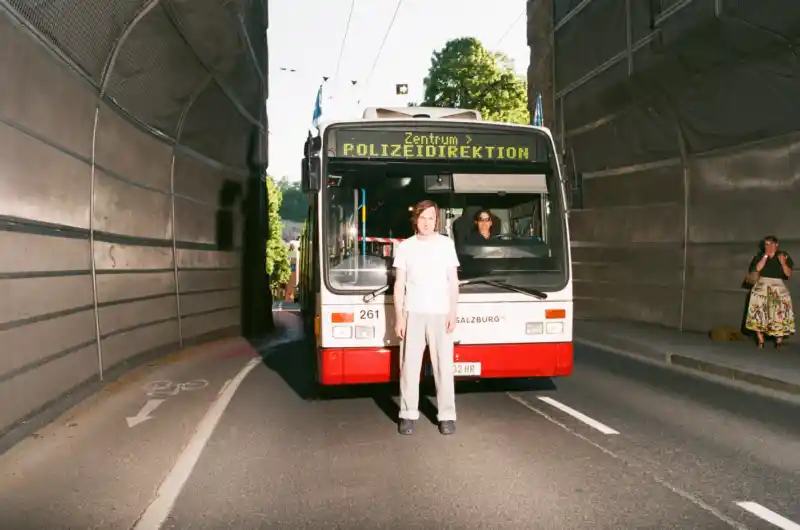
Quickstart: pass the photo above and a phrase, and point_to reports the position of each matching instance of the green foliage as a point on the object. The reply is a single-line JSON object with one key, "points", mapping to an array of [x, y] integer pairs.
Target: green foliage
{"points": [[464, 74], [277, 254], [295, 203]]}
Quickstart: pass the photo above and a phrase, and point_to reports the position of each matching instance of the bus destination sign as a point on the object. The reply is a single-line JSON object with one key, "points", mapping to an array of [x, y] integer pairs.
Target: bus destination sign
{"points": [[438, 145]]}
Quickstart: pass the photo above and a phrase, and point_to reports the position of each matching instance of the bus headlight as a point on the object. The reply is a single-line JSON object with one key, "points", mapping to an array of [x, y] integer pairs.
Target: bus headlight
{"points": [[555, 327], [534, 328], [342, 332], [365, 332]]}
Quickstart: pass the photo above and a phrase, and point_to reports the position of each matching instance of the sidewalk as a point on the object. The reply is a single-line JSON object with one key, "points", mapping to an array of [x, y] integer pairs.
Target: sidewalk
{"points": [[735, 360], [280, 305]]}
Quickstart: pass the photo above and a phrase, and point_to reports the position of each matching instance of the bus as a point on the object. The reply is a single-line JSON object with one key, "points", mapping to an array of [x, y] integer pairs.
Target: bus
{"points": [[363, 176]]}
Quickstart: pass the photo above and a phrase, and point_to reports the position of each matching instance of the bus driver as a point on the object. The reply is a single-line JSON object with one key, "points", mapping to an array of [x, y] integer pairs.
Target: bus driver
{"points": [[426, 301]]}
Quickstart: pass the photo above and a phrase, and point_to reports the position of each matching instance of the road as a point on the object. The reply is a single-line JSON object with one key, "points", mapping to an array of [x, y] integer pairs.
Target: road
{"points": [[619, 444]]}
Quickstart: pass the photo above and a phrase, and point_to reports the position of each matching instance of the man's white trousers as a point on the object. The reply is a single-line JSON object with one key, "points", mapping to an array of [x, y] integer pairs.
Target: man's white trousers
{"points": [[431, 330]]}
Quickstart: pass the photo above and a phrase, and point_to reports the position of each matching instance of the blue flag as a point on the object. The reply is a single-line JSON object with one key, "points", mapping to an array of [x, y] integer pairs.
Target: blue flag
{"points": [[317, 107], [538, 113]]}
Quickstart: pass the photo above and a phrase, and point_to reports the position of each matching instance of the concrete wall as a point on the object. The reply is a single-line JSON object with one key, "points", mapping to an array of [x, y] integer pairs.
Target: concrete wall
{"points": [[665, 226], [671, 245], [540, 68], [109, 235]]}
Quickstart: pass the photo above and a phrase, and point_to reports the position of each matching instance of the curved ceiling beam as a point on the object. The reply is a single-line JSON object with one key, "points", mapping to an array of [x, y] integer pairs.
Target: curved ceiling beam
{"points": [[112, 58], [186, 108]]}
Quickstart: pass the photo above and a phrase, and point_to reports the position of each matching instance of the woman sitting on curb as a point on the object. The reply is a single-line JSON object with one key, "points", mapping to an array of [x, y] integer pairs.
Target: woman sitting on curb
{"points": [[770, 309]]}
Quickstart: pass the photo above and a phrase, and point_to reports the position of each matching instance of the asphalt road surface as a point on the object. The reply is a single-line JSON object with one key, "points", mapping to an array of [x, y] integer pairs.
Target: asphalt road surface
{"points": [[617, 445]]}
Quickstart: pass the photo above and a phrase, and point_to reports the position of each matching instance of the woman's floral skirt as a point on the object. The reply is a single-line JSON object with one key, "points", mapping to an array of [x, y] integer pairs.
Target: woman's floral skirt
{"points": [[770, 309]]}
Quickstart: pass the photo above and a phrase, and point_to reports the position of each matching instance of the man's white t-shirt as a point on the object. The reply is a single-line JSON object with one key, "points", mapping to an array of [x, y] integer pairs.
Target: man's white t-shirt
{"points": [[426, 262]]}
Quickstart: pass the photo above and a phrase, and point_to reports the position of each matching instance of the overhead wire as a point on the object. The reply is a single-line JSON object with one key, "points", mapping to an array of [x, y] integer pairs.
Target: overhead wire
{"points": [[513, 24], [383, 43], [344, 38]]}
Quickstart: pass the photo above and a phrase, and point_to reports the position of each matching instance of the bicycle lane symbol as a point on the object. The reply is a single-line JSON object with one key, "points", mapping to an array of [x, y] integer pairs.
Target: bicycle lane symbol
{"points": [[157, 389], [158, 392]]}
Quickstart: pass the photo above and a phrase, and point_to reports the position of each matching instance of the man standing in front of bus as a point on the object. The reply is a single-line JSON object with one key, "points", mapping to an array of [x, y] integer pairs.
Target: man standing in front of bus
{"points": [[426, 301]]}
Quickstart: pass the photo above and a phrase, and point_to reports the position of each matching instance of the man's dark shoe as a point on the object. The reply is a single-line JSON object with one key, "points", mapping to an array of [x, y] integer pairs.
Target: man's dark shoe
{"points": [[406, 426], [447, 427]]}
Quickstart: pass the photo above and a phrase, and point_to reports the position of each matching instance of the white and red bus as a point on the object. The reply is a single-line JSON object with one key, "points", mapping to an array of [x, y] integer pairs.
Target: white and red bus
{"points": [[362, 177]]}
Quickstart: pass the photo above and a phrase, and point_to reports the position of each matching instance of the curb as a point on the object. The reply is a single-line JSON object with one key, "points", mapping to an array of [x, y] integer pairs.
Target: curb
{"points": [[734, 374], [658, 360], [691, 364]]}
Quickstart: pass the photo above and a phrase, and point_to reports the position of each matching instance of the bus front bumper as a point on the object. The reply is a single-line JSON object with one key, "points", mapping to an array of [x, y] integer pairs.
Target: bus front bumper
{"points": [[346, 366]]}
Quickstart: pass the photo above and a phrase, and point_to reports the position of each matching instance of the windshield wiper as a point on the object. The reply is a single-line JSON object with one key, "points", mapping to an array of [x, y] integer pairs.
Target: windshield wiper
{"points": [[374, 294], [503, 285], [494, 283]]}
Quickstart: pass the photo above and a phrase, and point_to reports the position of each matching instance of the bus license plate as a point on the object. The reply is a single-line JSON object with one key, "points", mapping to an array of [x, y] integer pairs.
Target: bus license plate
{"points": [[459, 369], [466, 369]]}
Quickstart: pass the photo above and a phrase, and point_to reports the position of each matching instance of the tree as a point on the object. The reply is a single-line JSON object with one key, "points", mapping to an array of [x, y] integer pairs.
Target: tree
{"points": [[277, 254], [295, 203], [464, 74]]}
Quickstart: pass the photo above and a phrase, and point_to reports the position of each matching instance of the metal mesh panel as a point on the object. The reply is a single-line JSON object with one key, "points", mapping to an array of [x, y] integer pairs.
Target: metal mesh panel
{"points": [[254, 25], [216, 32], [244, 76], [779, 17], [593, 37], [244, 81], [713, 79], [165, 59], [694, 16], [215, 128], [155, 61], [596, 98], [85, 33], [703, 65], [639, 134], [217, 35], [667, 4], [561, 8], [642, 15], [210, 29], [657, 185], [769, 87]]}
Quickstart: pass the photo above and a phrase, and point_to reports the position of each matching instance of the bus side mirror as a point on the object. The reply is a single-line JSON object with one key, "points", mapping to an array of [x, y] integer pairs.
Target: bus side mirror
{"points": [[310, 178]]}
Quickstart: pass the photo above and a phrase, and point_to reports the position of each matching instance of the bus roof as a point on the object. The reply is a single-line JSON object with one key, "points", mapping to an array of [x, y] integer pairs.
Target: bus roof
{"points": [[421, 112], [441, 115]]}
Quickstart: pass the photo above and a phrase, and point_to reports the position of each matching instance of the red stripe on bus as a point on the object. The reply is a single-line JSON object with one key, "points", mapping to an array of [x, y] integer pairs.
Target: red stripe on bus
{"points": [[345, 366]]}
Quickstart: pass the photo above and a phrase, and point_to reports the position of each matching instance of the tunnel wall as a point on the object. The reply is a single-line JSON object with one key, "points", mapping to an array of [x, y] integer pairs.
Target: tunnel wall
{"points": [[678, 125], [124, 178]]}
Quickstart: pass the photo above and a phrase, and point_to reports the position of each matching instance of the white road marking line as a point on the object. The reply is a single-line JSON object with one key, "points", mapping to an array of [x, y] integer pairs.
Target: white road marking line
{"points": [[636, 464], [158, 511], [605, 429], [769, 516]]}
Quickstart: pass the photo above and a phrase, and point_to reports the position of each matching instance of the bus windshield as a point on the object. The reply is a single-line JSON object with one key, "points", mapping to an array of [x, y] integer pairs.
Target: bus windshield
{"points": [[367, 212]]}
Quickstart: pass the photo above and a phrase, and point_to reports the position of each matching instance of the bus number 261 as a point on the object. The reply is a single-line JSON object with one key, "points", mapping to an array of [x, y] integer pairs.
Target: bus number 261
{"points": [[368, 314]]}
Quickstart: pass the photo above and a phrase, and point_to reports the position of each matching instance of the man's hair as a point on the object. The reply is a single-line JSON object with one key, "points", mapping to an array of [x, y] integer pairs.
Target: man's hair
{"points": [[420, 207]]}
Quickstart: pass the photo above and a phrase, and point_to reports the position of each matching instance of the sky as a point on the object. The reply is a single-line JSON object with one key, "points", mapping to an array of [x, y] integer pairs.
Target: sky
{"points": [[305, 43]]}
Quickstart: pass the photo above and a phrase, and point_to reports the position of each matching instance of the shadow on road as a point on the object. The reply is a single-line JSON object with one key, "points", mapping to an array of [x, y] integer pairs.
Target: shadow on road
{"points": [[293, 360]]}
